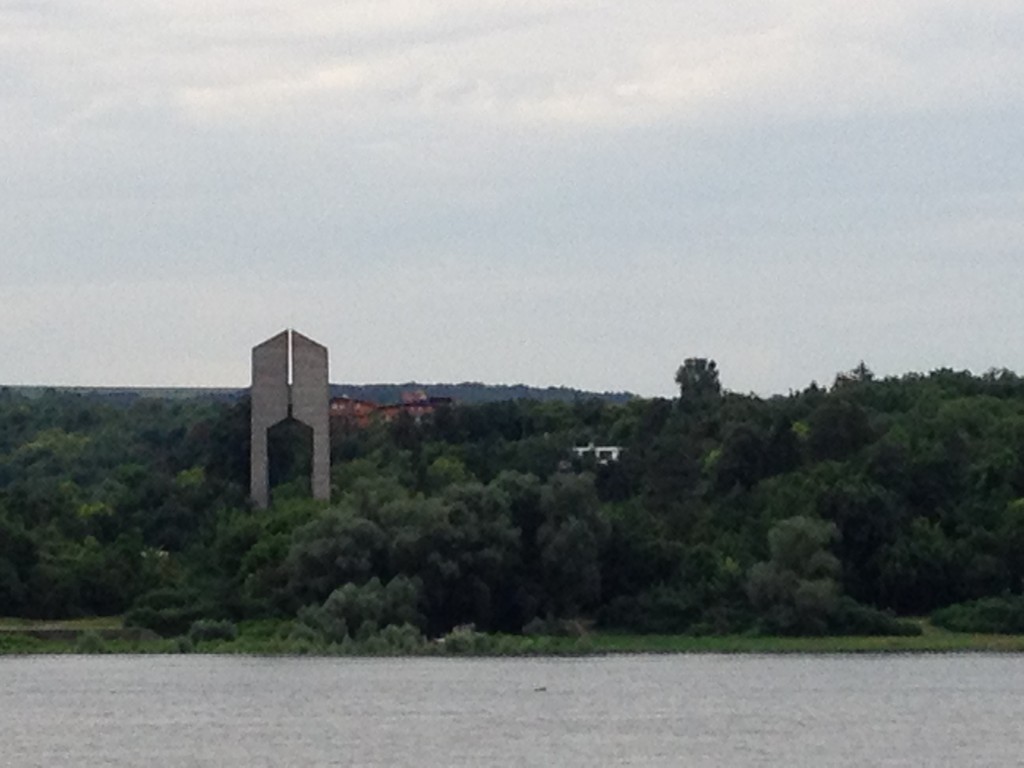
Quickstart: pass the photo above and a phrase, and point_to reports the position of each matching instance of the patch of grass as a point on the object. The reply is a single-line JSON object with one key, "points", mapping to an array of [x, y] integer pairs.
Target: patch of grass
{"points": [[15, 643], [928, 642], [270, 638], [94, 623]]}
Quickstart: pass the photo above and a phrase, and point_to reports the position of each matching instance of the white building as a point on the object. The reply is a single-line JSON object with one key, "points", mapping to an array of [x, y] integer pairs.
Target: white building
{"points": [[603, 453]]}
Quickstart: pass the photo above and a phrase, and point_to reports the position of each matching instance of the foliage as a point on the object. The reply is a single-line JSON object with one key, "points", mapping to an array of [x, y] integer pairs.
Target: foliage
{"points": [[659, 610], [466, 640], [170, 612], [363, 610], [212, 629], [1003, 615], [795, 590], [698, 380], [90, 642], [824, 511], [853, 618]]}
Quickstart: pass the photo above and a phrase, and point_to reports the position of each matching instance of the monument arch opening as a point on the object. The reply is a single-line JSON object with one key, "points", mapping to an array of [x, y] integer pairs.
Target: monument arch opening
{"points": [[289, 382], [290, 458]]}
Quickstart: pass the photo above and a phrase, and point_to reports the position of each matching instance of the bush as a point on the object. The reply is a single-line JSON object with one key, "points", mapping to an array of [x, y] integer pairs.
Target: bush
{"points": [[212, 629], [360, 611], [394, 603], [658, 611], [302, 646], [852, 618], [466, 640], [795, 592], [323, 624], [403, 638], [536, 626], [994, 615], [169, 612], [303, 633], [90, 642], [15, 643]]}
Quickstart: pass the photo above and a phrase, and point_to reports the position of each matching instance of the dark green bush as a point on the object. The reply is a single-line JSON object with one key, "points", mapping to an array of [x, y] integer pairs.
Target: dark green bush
{"points": [[404, 638], [359, 611], [658, 611], [90, 642], [325, 625], [15, 643], [303, 633], [212, 629], [996, 615], [170, 612], [466, 640], [853, 618]]}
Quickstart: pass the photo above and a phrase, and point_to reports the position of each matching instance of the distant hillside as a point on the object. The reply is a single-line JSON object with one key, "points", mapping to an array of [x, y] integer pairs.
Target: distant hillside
{"points": [[468, 392], [126, 395]]}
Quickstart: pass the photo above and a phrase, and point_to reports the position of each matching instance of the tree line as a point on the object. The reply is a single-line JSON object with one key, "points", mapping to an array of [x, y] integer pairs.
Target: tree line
{"points": [[834, 509]]}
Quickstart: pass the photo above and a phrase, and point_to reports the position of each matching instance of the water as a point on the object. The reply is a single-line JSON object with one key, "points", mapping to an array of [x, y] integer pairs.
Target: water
{"points": [[948, 710]]}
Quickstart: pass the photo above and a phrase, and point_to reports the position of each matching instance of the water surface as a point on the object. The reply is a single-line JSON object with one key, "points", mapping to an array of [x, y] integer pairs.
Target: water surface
{"points": [[692, 710]]}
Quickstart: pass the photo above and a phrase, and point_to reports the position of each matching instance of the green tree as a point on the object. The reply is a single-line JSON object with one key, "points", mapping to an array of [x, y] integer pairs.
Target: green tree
{"points": [[796, 590], [365, 609], [698, 381], [571, 540], [335, 549]]}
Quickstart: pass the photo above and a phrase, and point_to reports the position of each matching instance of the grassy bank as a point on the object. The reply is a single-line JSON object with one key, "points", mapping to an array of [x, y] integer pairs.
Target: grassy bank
{"points": [[935, 641], [106, 635]]}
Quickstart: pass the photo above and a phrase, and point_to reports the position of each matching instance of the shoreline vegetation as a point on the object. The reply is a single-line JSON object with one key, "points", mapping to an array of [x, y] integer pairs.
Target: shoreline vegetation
{"points": [[713, 521], [263, 638]]}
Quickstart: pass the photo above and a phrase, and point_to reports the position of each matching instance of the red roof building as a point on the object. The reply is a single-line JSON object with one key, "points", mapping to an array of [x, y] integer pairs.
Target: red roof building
{"points": [[360, 413], [353, 411]]}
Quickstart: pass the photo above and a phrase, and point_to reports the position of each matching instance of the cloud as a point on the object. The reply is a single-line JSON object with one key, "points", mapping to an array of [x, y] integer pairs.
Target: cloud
{"points": [[638, 180], [536, 64]]}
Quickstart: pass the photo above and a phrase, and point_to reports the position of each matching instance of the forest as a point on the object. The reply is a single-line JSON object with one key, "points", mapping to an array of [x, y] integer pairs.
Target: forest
{"points": [[842, 509]]}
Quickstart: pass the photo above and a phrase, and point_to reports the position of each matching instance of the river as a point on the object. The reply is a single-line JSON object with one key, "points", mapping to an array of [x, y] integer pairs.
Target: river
{"points": [[688, 710]]}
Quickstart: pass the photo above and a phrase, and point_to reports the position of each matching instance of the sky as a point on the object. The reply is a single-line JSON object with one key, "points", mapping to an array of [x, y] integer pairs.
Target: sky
{"points": [[555, 192]]}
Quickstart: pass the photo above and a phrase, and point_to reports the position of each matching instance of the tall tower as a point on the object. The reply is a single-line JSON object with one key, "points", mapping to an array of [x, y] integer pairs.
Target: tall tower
{"points": [[289, 379]]}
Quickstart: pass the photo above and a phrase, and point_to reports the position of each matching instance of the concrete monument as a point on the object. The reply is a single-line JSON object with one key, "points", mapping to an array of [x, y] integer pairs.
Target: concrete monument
{"points": [[289, 380]]}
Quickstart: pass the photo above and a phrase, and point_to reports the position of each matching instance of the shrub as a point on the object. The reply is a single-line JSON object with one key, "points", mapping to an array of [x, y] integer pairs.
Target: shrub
{"points": [[15, 643], [466, 640], [367, 631], [660, 610], [303, 633], [169, 612], [302, 647], [996, 615], [90, 642], [852, 618], [395, 603], [404, 638], [536, 626], [325, 625], [361, 610], [212, 629], [795, 592]]}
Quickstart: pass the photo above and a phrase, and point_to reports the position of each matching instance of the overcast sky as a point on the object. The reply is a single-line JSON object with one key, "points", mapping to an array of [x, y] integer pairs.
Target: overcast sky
{"points": [[555, 192]]}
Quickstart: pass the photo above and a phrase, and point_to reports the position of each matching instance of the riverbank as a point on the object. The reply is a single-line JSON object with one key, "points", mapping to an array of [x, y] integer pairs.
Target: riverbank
{"points": [[107, 635]]}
